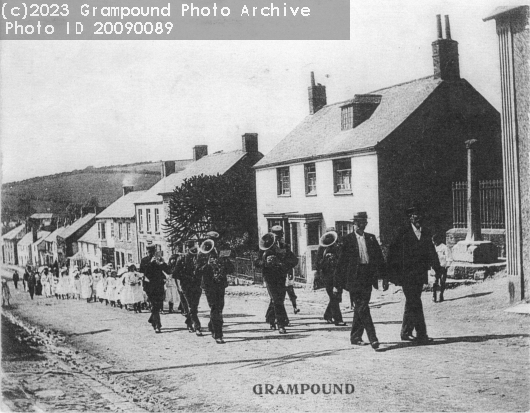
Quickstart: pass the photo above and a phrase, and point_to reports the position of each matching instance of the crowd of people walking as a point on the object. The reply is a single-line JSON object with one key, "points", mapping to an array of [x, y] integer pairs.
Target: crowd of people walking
{"points": [[353, 263]]}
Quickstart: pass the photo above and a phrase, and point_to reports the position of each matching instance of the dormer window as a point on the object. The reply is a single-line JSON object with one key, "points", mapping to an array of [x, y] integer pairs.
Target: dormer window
{"points": [[359, 110]]}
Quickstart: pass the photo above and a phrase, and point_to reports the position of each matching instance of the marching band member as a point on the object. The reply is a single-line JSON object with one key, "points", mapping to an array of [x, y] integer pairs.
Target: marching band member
{"points": [[277, 261], [190, 282], [327, 257], [213, 269], [153, 268]]}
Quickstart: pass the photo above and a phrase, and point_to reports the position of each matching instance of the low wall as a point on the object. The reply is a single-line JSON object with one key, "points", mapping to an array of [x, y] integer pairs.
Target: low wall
{"points": [[496, 236]]}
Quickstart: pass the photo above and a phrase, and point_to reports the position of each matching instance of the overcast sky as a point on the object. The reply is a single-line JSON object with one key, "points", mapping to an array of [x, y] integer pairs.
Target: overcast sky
{"points": [[70, 104]]}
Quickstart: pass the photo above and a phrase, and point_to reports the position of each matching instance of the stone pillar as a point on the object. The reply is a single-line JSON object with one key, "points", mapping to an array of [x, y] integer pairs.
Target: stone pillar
{"points": [[473, 205], [473, 250]]}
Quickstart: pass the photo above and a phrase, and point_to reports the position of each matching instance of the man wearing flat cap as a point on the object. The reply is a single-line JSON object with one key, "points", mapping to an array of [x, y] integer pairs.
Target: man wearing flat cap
{"points": [[359, 265], [153, 268], [410, 257]]}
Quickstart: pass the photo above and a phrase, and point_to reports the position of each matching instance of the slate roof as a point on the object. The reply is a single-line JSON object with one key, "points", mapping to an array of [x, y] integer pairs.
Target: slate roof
{"points": [[216, 163], [28, 238], [53, 236], [91, 236], [71, 229], [123, 207], [320, 135], [44, 215], [13, 233]]}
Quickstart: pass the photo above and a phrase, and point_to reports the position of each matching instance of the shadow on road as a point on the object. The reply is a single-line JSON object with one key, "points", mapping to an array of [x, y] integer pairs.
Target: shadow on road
{"points": [[257, 362], [469, 296], [450, 340]]}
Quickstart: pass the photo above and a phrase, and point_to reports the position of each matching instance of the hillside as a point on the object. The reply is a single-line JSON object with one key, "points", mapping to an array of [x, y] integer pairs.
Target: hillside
{"points": [[54, 192]]}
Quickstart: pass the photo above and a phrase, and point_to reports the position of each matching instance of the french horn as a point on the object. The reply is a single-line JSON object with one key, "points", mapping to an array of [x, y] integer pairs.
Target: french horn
{"points": [[328, 239]]}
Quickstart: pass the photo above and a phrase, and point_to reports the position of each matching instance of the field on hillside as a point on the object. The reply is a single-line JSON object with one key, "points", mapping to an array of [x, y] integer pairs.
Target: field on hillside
{"points": [[53, 193]]}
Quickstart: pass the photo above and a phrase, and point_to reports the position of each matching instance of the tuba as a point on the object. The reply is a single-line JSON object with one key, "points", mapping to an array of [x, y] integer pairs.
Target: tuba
{"points": [[328, 239], [207, 246], [267, 241]]}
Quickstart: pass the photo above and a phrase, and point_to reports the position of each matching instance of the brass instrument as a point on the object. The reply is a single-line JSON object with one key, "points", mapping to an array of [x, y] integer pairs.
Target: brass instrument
{"points": [[328, 239]]}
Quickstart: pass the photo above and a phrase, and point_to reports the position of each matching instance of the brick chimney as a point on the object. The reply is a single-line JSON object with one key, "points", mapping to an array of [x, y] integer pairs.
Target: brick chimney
{"points": [[199, 151], [250, 142], [167, 168], [445, 53], [317, 96], [127, 189]]}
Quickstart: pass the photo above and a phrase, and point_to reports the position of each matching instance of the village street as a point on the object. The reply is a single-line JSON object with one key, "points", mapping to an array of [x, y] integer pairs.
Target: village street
{"points": [[477, 362]]}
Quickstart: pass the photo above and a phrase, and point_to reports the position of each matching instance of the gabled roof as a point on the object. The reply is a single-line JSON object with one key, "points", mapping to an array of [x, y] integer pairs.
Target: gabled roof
{"points": [[91, 236], [28, 238], [216, 163], [44, 215], [13, 234], [41, 236], [123, 207], [53, 236], [71, 229], [320, 135]]}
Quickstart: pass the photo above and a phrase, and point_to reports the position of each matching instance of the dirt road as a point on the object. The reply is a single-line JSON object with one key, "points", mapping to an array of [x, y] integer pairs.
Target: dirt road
{"points": [[477, 362]]}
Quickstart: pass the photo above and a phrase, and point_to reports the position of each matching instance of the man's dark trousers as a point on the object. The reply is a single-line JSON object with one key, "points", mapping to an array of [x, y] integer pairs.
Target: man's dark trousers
{"points": [[216, 300], [333, 309], [413, 317], [276, 312], [157, 304], [362, 319], [192, 294]]}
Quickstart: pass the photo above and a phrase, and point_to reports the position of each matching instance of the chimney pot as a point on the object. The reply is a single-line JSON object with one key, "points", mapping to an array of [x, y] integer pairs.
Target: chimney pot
{"points": [[250, 142], [439, 26], [199, 151], [447, 28], [127, 189]]}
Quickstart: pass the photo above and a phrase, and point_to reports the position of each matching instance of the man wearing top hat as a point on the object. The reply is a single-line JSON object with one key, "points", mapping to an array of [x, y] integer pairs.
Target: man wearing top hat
{"points": [[153, 268], [359, 264], [410, 257], [277, 261]]}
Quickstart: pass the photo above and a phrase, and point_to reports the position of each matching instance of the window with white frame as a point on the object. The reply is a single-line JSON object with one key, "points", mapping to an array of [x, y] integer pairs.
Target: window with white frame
{"points": [[129, 258], [101, 230], [112, 229], [120, 231], [284, 181], [310, 179], [128, 231], [343, 227], [313, 233], [342, 175], [140, 220], [148, 220], [157, 220]]}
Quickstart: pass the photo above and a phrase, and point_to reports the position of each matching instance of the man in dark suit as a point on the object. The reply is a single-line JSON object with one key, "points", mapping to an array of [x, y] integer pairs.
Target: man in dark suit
{"points": [[327, 256], [277, 261], [411, 255], [153, 268], [359, 264]]}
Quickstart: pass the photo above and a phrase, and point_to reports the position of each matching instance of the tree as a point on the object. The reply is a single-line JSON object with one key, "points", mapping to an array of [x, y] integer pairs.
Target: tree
{"points": [[72, 211], [221, 203]]}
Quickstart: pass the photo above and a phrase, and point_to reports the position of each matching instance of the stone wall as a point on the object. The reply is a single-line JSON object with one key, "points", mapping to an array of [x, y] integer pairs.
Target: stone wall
{"points": [[497, 236]]}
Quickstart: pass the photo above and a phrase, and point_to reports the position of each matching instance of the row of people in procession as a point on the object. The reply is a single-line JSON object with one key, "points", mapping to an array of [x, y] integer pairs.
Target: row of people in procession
{"points": [[353, 263]]}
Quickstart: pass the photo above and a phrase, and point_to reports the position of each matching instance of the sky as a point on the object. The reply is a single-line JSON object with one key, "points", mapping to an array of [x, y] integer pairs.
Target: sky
{"points": [[67, 105]]}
